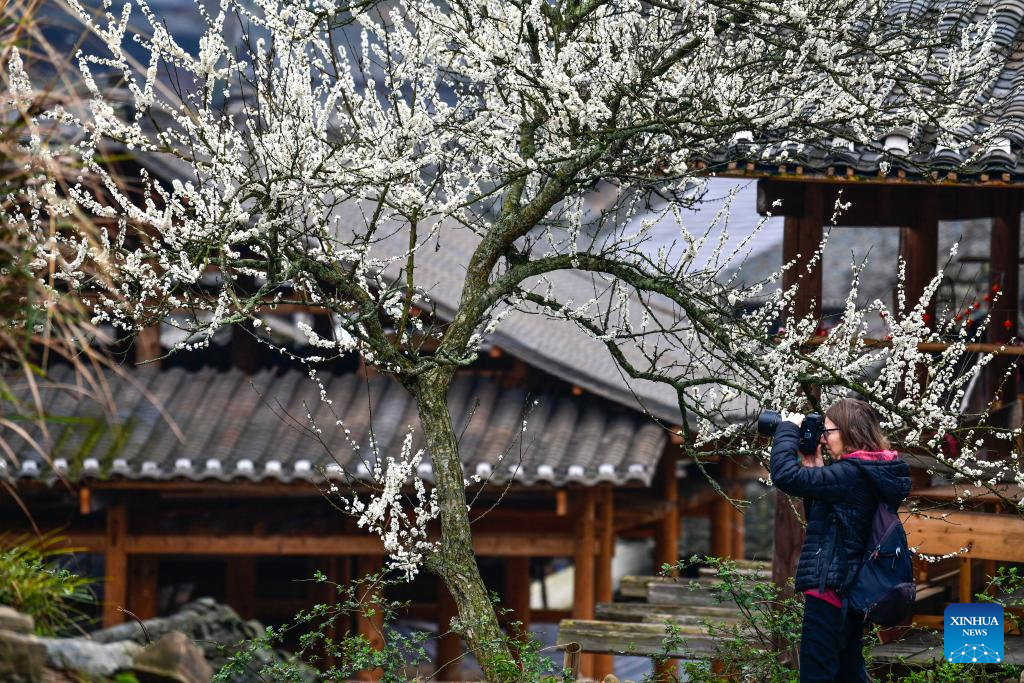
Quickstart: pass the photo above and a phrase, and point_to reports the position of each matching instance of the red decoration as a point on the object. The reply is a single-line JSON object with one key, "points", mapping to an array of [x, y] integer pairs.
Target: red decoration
{"points": [[888, 337], [1007, 324], [977, 305], [987, 298], [995, 287], [925, 318]]}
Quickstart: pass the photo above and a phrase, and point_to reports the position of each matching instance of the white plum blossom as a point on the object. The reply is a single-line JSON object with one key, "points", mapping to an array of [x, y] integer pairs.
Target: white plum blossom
{"points": [[388, 514], [326, 157]]}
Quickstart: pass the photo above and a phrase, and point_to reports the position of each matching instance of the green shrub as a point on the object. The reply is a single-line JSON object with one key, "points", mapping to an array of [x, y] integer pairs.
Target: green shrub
{"points": [[944, 672], [761, 646], [326, 643], [31, 581]]}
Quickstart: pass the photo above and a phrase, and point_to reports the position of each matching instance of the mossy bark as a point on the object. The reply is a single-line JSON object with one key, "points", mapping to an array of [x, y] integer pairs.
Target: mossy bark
{"points": [[455, 561]]}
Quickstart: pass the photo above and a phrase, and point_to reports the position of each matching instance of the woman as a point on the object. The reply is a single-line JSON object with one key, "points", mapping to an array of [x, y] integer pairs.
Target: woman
{"points": [[839, 501]]}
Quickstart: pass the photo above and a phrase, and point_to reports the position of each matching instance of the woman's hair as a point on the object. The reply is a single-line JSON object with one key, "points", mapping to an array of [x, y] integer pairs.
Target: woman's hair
{"points": [[858, 425]]}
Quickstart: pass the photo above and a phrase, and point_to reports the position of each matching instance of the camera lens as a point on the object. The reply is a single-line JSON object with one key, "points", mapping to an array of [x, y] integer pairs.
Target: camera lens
{"points": [[767, 422]]}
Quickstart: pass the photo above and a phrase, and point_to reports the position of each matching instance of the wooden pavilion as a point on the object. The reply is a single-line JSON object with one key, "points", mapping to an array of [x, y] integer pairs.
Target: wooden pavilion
{"points": [[806, 193], [205, 476]]}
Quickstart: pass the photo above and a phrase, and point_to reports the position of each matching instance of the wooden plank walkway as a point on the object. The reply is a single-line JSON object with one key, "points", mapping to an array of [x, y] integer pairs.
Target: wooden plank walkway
{"points": [[639, 627], [638, 639]]}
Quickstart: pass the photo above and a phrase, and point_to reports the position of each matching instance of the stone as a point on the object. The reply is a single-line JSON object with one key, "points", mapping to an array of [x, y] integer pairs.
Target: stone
{"points": [[214, 627], [173, 658], [211, 625], [22, 657], [13, 620], [89, 657]]}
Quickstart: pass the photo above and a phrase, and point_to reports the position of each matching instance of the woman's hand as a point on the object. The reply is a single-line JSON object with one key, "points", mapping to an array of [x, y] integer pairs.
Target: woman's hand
{"points": [[795, 418], [814, 460]]}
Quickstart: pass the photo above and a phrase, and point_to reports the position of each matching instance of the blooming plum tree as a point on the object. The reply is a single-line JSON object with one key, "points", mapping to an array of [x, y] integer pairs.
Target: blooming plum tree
{"points": [[341, 143]]}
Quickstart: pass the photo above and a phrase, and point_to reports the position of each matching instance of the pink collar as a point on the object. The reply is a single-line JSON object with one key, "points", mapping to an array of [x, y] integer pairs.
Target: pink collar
{"points": [[880, 456]]}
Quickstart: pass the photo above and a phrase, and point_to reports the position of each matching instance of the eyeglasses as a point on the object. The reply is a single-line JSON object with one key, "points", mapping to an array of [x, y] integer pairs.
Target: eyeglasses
{"points": [[826, 431]]}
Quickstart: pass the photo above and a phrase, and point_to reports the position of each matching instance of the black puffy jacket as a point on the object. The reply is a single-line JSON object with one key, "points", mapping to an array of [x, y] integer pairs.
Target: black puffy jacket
{"points": [[840, 504]]}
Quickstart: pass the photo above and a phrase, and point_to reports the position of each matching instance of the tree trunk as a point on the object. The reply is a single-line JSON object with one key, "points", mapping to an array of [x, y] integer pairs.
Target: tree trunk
{"points": [[455, 562]]}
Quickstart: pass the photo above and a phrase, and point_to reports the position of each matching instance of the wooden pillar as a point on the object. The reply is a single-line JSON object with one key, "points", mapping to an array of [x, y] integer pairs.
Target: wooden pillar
{"points": [[666, 537], [241, 584], [737, 546], [370, 626], [726, 520], [721, 527], [966, 580], [449, 645], [116, 566], [147, 345], [919, 249], [605, 664], [1004, 263], [245, 350], [583, 569], [801, 235], [517, 594], [142, 585]]}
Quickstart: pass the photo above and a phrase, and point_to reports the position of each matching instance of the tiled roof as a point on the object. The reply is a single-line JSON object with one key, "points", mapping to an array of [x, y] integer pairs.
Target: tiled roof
{"points": [[237, 426], [1002, 161]]}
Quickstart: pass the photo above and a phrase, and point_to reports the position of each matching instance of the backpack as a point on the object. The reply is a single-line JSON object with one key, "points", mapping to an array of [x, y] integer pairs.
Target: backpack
{"points": [[883, 588]]}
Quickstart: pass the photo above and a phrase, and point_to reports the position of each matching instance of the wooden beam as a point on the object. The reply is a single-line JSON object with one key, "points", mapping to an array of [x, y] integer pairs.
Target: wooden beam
{"points": [[605, 664], [142, 585], [115, 581], [583, 568], [986, 536], [503, 545], [80, 541], [948, 492], [883, 205], [449, 644], [938, 347]]}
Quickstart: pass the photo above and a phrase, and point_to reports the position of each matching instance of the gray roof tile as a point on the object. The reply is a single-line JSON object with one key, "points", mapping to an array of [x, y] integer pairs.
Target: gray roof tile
{"points": [[228, 418]]}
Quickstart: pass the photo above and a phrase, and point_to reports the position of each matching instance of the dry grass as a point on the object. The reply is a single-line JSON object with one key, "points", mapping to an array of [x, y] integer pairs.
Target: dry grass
{"points": [[40, 323]]}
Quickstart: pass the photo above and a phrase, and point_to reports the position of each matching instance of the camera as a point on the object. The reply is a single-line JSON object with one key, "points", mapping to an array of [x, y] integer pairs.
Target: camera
{"points": [[811, 429]]}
